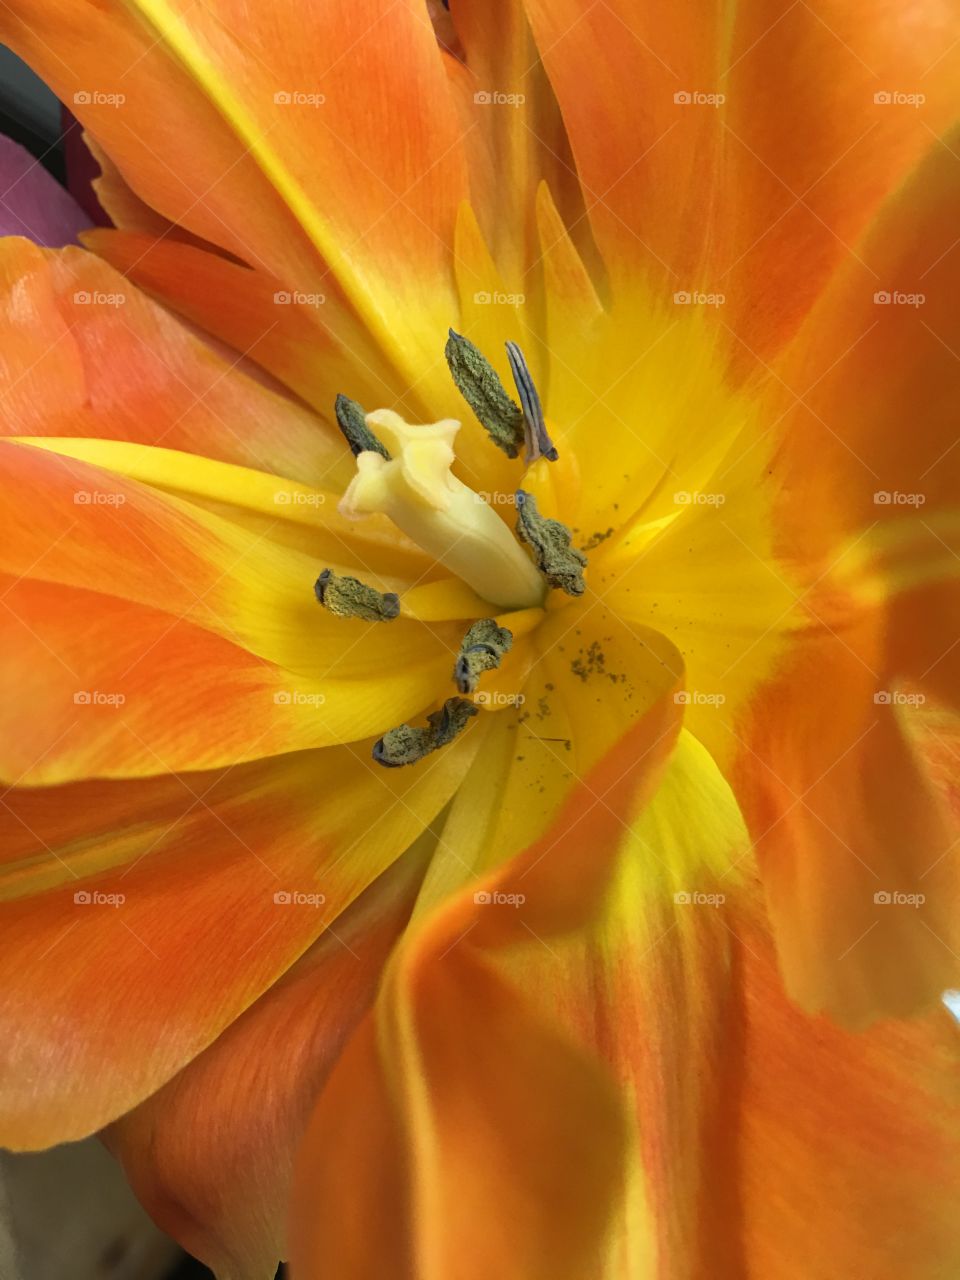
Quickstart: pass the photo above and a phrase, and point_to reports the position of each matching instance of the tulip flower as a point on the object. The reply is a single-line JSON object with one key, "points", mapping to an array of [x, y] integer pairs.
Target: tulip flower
{"points": [[481, 634]]}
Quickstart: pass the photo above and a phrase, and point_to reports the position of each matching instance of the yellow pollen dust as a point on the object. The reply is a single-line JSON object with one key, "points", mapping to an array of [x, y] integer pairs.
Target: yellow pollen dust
{"points": [[452, 523]]}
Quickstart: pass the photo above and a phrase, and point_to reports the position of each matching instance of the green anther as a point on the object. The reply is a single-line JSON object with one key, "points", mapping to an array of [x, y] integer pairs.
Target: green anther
{"points": [[409, 743], [353, 424], [482, 649], [478, 383], [561, 564], [351, 598]]}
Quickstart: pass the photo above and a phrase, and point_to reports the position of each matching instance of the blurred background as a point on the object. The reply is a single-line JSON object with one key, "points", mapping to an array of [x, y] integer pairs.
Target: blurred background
{"points": [[29, 113]]}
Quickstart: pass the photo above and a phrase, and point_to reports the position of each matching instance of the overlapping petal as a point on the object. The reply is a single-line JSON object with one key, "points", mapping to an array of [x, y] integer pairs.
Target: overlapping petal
{"points": [[461, 1101], [211, 1153], [284, 171], [86, 354], [845, 815], [32, 202], [311, 341], [142, 917], [291, 675], [750, 1120], [692, 184]]}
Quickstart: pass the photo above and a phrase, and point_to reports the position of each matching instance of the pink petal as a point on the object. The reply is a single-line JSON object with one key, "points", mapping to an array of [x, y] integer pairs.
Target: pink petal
{"points": [[32, 203]]}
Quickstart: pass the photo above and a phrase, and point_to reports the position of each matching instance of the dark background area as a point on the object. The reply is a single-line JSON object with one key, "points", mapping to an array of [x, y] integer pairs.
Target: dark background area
{"points": [[29, 113]]}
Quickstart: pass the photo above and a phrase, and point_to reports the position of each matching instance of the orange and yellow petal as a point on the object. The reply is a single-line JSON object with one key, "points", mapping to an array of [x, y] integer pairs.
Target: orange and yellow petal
{"points": [[855, 844], [828, 109], [320, 140], [460, 1096], [514, 135], [732, 1088], [87, 354], [310, 341], [143, 916], [167, 566], [639, 158], [755, 125], [211, 1153]]}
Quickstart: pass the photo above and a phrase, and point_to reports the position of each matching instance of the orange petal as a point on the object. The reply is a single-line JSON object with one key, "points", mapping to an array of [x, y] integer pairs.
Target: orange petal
{"points": [[321, 136], [643, 160], [312, 342], [211, 1153], [707, 138], [86, 354], [733, 1090], [461, 1095], [810, 152], [141, 918], [876, 1199], [840, 803], [185, 568], [730, 1088], [514, 133]]}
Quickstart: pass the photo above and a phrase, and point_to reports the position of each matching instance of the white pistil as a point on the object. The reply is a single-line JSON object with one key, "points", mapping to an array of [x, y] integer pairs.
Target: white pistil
{"points": [[419, 493]]}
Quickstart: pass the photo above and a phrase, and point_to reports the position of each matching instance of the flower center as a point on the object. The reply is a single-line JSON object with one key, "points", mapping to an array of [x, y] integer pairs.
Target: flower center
{"points": [[404, 472], [417, 490]]}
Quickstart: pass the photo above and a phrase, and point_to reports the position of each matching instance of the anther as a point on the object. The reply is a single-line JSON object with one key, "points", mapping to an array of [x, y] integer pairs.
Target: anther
{"points": [[482, 649], [351, 598], [538, 442], [478, 383], [353, 424], [409, 743], [561, 564]]}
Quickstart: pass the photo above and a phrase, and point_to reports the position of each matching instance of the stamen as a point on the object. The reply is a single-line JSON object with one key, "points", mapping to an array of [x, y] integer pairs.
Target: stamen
{"points": [[482, 649], [353, 424], [478, 383], [561, 564], [351, 598], [539, 444], [409, 743]]}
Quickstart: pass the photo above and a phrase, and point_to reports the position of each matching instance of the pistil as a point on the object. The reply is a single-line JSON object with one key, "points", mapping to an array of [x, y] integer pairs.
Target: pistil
{"points": [[420, 494]]}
